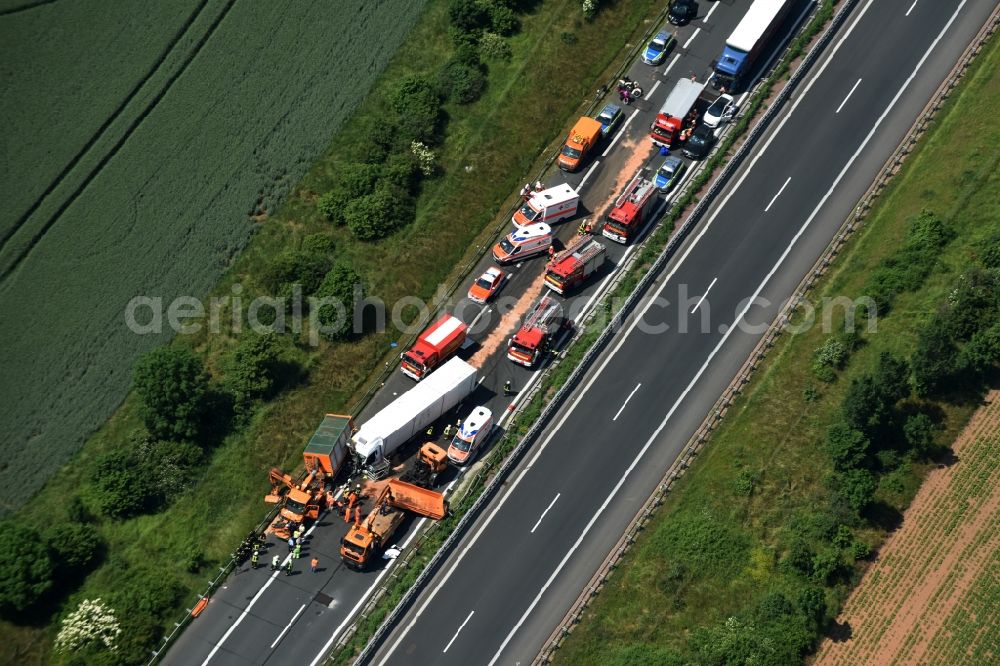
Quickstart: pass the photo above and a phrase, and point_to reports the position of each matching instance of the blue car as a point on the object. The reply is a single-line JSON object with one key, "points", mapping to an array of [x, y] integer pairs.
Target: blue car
{"points": [[669, 173], [609, 116], [656, 50]]}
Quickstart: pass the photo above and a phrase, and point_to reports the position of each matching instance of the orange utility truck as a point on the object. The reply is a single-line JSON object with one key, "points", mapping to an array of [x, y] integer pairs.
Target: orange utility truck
{"points": [[324, 456], [366, 540], [538, 333], [580, 142], [573, 266], [433, 347], [632, 209]]}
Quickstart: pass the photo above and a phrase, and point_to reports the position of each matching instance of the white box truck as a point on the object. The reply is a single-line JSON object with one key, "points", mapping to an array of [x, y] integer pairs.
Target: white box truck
{"points": [[410, 413]]}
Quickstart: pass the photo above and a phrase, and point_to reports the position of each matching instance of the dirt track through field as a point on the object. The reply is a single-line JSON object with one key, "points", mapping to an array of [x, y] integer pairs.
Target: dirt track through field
{"points": [[931, 597]]}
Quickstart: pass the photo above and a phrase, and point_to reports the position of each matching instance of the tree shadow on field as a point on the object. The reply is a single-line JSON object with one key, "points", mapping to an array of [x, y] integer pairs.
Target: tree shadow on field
{"points": [[218, 418], [287, 375], [884, 516], [839, 632]]}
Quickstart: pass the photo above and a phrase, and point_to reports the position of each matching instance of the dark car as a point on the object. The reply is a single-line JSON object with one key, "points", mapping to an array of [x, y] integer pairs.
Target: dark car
{"points": [[700, 143], [682, 11]]}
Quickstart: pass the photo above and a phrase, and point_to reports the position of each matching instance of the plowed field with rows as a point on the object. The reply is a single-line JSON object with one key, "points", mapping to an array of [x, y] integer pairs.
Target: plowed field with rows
{"points": [[933, 594], [141, 143]]}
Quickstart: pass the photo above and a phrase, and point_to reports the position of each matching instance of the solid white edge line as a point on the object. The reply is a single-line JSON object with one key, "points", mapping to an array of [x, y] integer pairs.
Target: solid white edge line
{"points": [[617, 136], [853, 88], [479, 316], [911, 8], [614, 350], [715, 350], [622, 408], [462, 626], [289, 625], [703, 296], [587, 175], [551, 504], [709, 14], [775, 197]]}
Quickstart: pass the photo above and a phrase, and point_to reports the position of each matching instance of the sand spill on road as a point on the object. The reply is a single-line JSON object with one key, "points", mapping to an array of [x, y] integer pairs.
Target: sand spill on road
{"points": [[508, 323]]}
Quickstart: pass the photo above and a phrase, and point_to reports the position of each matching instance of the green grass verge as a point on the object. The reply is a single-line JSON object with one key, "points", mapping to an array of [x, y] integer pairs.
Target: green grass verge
{"points": [[713, 551], [499, 137]]}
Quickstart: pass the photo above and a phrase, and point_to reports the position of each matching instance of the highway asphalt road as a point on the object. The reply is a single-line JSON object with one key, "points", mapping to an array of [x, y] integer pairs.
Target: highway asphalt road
{"points": [[512, 579], [259, 618]]}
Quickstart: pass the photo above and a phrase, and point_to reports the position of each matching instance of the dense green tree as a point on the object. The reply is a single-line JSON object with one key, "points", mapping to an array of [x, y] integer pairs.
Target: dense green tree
{"points": [[303, 267], [143, 475], [377, 215], [461, 82], [468, 15], [919, 432], [812, 604], [503, 20], [982, 352], [352, 180], [341, 286], [846, 446], [934, 359], [418, 105], [253, 367], [171, 383], [857, 487], [74, 547], [26, 569]]}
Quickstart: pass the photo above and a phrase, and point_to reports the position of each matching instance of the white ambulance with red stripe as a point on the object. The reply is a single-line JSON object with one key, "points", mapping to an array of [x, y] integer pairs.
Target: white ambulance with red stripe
{"points": [[548, 206]]}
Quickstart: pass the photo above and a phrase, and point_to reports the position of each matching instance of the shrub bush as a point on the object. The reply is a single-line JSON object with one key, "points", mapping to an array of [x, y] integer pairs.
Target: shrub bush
{"points": [[378, 214], [339, 287], [253, 368], [75, 546], [418, 105], [468, 15], [461, 82], [846, 446], [171, 383], [143, 476], [494, 47], [351, 180], [26, 570], [503, 20], [934, 359]]}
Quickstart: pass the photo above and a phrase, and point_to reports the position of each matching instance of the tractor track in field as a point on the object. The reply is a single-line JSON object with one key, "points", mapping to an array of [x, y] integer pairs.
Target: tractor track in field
{"points": [[9, 267], [26, 6]]}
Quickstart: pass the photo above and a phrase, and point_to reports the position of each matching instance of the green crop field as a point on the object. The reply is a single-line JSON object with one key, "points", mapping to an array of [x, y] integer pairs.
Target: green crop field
{"points": [[141, 143]]}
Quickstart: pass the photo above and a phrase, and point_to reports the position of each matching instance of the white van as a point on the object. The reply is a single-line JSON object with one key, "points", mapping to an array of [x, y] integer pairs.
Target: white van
{"points": [[474, 431], [528, 241]]}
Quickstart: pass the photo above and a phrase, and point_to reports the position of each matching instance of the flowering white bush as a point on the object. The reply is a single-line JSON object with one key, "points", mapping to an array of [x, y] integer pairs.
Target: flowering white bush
{"points": [[91, 622], [589, 8], [425, 157]]}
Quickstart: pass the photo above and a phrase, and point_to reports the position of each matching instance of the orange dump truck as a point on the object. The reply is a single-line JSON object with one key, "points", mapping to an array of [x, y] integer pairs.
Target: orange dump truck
{"points": [[366, 540], [324, 456], [580, 142]]}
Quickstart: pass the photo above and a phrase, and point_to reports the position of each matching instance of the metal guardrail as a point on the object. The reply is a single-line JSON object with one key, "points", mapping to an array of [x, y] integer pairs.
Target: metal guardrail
{"points": [[606, 335], [700, 437], [390, 366]]}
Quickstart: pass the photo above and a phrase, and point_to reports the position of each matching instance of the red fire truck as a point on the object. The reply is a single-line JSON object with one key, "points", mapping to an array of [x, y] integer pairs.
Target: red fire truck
{"points": [[632, 208], [538, 332], [580, 260], [433, 347]]}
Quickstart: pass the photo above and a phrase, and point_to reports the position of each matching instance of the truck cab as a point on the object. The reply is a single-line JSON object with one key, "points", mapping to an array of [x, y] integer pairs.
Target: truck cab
{"points": [[474, 431], [538, 332], [433, 346]]}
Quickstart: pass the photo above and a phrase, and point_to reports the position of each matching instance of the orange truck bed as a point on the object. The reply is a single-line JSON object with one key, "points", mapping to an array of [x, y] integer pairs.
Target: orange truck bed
{"points": [[416, 499]]}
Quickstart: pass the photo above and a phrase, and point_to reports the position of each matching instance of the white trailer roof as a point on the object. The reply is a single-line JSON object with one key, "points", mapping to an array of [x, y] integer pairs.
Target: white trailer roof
{"points": [[682, 98], [414, 402], [754, 23], [447, 327], [553, 196]]}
